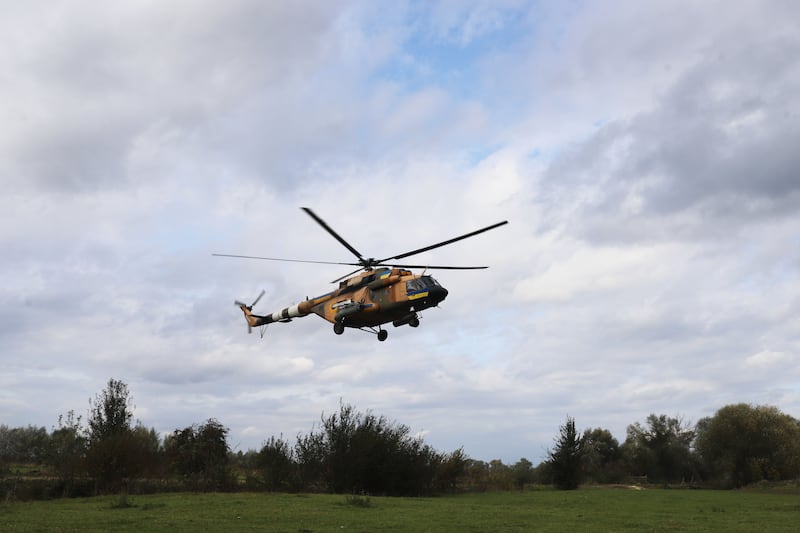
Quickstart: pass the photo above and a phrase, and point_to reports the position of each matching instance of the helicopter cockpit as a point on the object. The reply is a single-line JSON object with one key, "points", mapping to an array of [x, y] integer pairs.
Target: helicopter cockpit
{"points": [[427, 288], [421, 284]]}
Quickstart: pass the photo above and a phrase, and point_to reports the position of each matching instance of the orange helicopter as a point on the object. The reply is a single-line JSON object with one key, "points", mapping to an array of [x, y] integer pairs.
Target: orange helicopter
{"points": [[384, 292]]}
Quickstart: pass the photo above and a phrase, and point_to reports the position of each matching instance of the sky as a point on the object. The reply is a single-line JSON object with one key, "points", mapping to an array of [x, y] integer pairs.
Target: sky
{"points": [[645, 155]]}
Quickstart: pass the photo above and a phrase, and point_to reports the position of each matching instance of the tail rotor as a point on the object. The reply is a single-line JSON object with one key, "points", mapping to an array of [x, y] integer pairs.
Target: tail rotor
{"points": [[248, 308]]}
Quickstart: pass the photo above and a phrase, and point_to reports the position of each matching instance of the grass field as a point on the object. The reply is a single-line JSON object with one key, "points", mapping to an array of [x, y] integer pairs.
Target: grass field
{"points": [[590, 509]]}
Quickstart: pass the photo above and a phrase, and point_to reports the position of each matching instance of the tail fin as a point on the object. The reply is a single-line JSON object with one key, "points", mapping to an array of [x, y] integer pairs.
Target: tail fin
{"points": [[252, 320], [248, 316]]}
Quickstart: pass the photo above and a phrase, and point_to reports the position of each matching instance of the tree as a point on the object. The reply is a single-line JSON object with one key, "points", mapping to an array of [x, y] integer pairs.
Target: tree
{"points": [[212, 450], [311, 453], [602, 456], [339, 431], [276, 464], [450, 468], [23, 444], [367, 453], [146, 451], [199, 454], [68, 450], [113, 456], [355, 452], [662, 450], [111, 412], [522, 473], [565, 458], [742, 444], [499, 476]]}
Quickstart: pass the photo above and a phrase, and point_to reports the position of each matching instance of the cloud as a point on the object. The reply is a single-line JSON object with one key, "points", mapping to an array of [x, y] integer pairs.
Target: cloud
{"points": [[711, 154], [91, 92], [766, 359], [596, 269], [642, 154]]}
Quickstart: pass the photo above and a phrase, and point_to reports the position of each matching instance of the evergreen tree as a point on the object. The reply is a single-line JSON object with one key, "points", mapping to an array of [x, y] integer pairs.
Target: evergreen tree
{"points": [[565, 458]]}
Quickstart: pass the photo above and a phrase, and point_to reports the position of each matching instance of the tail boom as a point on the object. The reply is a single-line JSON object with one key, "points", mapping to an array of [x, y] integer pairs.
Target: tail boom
{"points": [[284, 315]]}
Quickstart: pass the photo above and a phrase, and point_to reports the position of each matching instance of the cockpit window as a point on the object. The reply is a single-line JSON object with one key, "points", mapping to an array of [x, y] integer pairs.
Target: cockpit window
{"points": [[414, 285], [430, 282], [420, 284]]}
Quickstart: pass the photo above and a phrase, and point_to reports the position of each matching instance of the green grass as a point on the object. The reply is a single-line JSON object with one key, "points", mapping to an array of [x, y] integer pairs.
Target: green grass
{"points": [[590, 509]]}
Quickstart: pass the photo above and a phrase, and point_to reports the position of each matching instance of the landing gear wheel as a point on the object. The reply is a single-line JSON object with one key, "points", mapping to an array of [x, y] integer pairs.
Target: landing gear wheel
{"points": [[414, 322], [382, 334], [338, 328]]}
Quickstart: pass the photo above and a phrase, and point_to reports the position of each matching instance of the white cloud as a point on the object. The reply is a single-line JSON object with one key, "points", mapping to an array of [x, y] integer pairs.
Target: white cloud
{"points": [[599, 269], [767, 359], [642, 154]]}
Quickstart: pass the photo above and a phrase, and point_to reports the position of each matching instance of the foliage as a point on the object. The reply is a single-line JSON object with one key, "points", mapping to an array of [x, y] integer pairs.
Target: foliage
{"points": [[276, 464], [68, 445], [742, 444], [199, 454], [113, 456], [480, 476], [500, 475], [147, 451], [311, 455], [522, 473], [565, 458], [476, 476], [23, 444], [661, 450], [360, 452], [111, 412], [602, 457], [449, 470], [352, 452]]}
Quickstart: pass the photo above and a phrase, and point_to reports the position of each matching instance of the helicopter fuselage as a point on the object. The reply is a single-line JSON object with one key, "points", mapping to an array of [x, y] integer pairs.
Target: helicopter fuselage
{"points": [[366, 300]]}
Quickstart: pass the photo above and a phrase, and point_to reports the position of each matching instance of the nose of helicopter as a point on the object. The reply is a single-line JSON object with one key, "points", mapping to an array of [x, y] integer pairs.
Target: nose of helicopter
{"points": [[437, 294]]}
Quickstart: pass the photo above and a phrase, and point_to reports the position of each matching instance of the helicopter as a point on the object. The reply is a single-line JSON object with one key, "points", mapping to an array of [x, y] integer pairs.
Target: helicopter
{"points": [[376, 293]]}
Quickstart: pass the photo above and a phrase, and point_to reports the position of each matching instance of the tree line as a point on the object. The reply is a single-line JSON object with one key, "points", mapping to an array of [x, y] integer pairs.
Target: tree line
{"points": [[354, 452], [739, 445], [349, 452]]}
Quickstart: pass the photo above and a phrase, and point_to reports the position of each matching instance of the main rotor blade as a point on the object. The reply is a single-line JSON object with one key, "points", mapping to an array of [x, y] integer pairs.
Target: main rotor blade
{"points": [[337, 280], [258, 298], [335, 235], [443, 243], [286, 260], [438, 267]]}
